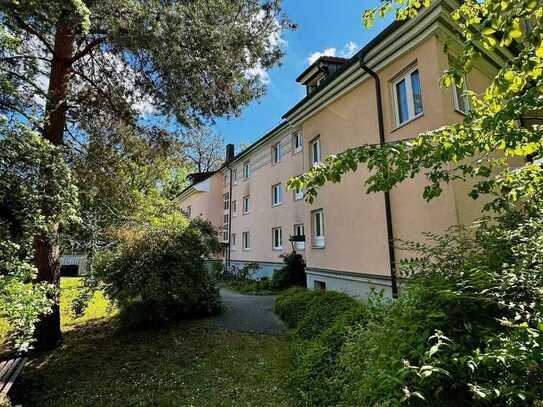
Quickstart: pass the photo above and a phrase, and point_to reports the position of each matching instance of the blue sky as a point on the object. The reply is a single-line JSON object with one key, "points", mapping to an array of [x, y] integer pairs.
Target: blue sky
{"points": [[322, 25]]}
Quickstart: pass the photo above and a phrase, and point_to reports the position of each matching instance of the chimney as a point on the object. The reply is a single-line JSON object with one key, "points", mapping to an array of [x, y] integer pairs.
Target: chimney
{"points": [[229, 152]]}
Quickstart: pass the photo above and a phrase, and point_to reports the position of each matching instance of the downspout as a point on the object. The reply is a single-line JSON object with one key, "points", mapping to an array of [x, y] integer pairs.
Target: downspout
{"points": [[388, 212], [229, 218]]}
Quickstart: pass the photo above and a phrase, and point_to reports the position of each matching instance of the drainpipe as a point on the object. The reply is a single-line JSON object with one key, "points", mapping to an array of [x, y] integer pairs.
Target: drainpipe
{"points": [[388, 212], [228, 161], [229, 217]]}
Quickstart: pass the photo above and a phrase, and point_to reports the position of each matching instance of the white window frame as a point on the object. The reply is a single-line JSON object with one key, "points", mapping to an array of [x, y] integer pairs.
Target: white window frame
{"points": [[233, 241], [246, 240], [234, 208], [297, 138], [246, 208], [316, 142], [226, 198], [318, 241], [246, 170], [188, 211], [409, 95], [225, 180], [276, 153], [298, 194], [465, 98], [235, 176], [278, 187], [297, 228], [279, 232]]}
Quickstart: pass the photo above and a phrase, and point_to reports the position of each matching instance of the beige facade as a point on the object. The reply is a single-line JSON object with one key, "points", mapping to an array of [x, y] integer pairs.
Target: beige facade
{"points": [[346, 245]]}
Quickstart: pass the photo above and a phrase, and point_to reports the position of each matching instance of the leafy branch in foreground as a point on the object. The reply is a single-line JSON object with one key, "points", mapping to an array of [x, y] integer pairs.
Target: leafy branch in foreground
{"points": [[502, 127]]}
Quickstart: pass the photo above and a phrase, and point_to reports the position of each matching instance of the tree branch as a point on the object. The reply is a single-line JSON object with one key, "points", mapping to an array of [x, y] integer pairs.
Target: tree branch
{"points": [[32, 30], [90, 46]]}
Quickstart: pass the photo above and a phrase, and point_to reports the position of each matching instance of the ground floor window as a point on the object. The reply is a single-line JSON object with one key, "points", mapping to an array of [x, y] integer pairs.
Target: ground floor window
{"points": [[277, 236], [299, 231], [318, 228], [319, 285], [246, 237]]}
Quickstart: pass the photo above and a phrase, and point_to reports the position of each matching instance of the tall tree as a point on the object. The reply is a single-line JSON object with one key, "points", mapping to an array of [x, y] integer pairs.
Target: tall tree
{"points": [[204, 148], [71, 60]]}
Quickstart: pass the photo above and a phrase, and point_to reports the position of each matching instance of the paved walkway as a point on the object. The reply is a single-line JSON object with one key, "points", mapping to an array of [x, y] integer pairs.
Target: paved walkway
{"points": [[247, 313]]}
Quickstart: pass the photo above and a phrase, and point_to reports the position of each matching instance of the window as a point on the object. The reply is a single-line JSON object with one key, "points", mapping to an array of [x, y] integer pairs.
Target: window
{"points": [[226, 201], [235, 176], [277, 194], [315, 151], [277, 237], [461, 101], [299, 232], [318, 228], [234, 208], [246, 204], [225, 229], [233, 241], [407, 96], [297, 142], [319, 285], [225, 181], [298, 194], [246, 170], [276, 153], [188, 211], [246, 240]]}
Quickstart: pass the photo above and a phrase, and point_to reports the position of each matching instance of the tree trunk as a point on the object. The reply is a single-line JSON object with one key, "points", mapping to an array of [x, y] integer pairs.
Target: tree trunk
{"points": [[48, 334]]}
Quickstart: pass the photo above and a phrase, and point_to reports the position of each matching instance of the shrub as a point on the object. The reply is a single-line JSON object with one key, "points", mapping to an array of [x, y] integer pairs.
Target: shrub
{"points": [[253, 287], [325, 309], [468, 330], [320, 322], [159, 274], [292, 274], [314, 375], [292, 305]]}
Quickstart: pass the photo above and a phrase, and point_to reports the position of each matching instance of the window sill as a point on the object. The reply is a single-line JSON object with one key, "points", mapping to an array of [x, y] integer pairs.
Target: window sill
{"points": [[246, 250], [457, 110], [277, 205], [318, 247], [277, 249], [294, 152], [246, 213], [398, 127]]}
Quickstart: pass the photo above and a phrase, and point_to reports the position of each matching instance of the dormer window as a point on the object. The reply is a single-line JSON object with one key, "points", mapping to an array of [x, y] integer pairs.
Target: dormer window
{"points": [[319, 71]]}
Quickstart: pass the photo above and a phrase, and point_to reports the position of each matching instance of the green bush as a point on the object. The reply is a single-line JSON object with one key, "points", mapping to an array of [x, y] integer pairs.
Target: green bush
{"points": [[325, 309], [315, 378], [292, 274], [292, 305], [320, 321], [253, 287], [467, 331], [159, 274]]}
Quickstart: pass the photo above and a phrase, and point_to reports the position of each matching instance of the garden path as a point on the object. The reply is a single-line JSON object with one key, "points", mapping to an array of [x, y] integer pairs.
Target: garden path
{"points": [[247, 313]]}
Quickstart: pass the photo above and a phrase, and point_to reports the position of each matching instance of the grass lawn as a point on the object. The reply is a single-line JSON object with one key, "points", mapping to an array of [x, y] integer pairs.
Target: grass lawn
{"points": [[182, 365]]}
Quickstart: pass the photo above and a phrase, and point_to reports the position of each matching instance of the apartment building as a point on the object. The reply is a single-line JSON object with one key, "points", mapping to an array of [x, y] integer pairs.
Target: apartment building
{"points": [[388, 91]]}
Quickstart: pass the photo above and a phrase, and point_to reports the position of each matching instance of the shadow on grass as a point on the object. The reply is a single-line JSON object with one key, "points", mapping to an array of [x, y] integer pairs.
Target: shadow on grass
{"points": [[183, 364]]}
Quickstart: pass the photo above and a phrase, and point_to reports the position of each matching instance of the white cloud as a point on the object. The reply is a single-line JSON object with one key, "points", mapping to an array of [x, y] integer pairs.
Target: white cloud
{"points": [[347, 51], [329, 52], [350, 49], [259, 72]]}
